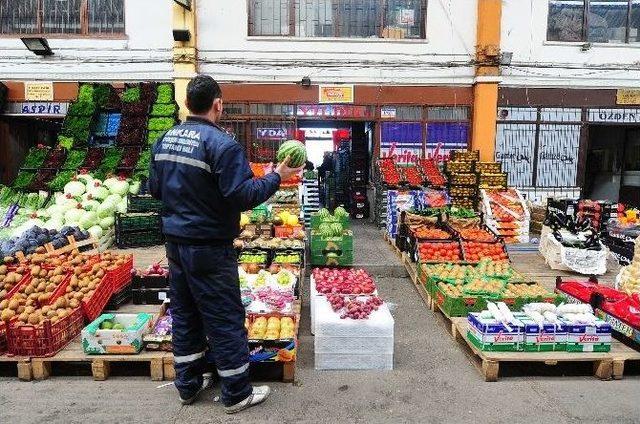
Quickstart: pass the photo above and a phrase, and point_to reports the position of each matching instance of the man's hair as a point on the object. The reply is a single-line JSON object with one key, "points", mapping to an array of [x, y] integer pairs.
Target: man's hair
{"points": [[201, 92]]}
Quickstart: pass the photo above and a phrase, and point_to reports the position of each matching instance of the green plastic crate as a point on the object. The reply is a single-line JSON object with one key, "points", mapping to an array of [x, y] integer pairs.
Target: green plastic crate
{"points": [[344, 258], [143, 203], [321, 244]]}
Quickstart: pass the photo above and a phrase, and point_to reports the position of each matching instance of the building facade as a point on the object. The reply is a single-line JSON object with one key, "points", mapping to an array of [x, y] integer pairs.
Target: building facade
{"points": [[545, 86], [568, 109]]}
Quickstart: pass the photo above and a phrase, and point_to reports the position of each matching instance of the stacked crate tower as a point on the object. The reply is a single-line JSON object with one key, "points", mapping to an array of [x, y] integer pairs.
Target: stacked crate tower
{"points": [[359, 208]]}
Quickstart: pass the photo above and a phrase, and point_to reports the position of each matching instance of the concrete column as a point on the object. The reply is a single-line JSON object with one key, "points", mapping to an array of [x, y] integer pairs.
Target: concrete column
{"points": [[185, 54], [485, 88]]}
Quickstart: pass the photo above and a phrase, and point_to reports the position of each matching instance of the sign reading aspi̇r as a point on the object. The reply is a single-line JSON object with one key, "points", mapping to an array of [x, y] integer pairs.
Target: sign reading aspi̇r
{"points": [[339, 93], [54, 109]]}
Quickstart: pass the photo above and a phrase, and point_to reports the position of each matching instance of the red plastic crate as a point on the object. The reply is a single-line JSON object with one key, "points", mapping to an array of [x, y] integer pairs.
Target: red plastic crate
{"points": [[3, 338], [46, 339], [93, 307], [284, 231], [121, 276], [61, 289]]}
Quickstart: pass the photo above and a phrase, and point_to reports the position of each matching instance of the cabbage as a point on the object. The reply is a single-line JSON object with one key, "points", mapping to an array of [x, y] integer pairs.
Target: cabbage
{"points": [[72, 216], [134, 188], [90, 205], [62, 199], [57, 216], [99, 192], [86, 179], [88, 220], [54, 224], [107, 222], [109, 182], [96, 231], [120, 187], [74, 188], [121, 207], [113, 199], [105, 209]]}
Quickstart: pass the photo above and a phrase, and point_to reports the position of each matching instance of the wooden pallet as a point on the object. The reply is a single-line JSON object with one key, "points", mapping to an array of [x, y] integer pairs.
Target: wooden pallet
{"points": [[100, 364], [412, 270], [23, 365], [606, 365], [392, 243]]}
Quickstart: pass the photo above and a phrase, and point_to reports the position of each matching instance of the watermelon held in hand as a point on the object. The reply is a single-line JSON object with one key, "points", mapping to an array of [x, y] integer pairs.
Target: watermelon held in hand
{"points": [[295, 150]]}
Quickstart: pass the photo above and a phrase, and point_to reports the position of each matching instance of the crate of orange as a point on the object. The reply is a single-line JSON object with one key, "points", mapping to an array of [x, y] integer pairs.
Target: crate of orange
{"points": [[480, 234], [474, 251]]}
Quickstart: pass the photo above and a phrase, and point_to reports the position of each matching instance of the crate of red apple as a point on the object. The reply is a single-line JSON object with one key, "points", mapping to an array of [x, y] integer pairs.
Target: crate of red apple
{"points": [[352, 325]]}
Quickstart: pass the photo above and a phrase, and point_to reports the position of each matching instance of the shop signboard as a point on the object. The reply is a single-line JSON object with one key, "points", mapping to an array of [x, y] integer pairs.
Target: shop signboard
{"points": [[444, 137], [339, 93], [38, 91], [333, 111], [272, 133], [628, 97], [401, 141], [387, 112], [51, 109], [617, 116]]}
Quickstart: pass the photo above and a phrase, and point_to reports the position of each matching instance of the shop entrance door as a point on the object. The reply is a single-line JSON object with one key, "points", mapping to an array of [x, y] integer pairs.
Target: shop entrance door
{"points": [[612, 170], [630, 182]]}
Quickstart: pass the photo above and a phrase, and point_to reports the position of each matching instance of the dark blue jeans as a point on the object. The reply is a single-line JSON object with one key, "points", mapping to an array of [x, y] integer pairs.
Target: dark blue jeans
{"points": [[208, 314]]}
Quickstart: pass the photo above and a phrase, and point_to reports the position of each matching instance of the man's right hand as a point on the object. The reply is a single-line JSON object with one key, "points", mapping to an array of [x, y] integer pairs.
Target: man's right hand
{"points": [[285, 171]]}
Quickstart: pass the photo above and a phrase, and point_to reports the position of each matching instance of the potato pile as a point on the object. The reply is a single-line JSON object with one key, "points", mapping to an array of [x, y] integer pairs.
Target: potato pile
{"points": [[30, 303], [9, 279]]}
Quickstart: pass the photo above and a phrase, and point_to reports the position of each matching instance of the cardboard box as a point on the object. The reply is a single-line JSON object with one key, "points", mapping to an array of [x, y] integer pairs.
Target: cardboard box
{"points": [[129, 341], [589, 338], [163, 342], [542, 338], [491, 335]]}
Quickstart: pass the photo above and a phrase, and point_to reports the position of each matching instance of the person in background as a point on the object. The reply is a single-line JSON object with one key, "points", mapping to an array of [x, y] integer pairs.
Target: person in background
{"points": [[325, 166], [204, 181], [308, 166]]}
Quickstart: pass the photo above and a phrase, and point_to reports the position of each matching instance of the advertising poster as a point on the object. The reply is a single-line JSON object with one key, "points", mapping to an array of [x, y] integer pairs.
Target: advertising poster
{"points": [[401, 141], [443, 137]]}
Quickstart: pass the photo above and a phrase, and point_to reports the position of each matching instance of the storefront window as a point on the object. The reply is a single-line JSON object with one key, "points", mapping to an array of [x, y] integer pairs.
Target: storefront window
{"points": [[72, 17], [634, 22], [400, 19], [448, 113], [596, 21], [607, 21], [565, 20]]}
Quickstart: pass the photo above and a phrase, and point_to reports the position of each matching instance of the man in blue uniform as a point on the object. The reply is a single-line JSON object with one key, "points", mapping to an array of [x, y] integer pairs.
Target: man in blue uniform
{"points": [[204, 181]]}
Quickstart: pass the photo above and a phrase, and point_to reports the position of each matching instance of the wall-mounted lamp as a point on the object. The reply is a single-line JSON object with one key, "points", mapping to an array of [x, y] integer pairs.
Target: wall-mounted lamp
{"points": [[184, 3], [585, 47], [37, 45], [181, 35], [306, 82]]}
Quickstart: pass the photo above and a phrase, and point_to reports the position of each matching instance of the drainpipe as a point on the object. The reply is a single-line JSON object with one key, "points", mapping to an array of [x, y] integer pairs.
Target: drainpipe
{"points": [[185, 54], [487, 77]]}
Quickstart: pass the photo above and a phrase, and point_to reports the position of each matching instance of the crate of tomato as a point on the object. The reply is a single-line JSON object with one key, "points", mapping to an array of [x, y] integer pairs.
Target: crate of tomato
{"points": [[431, 173], [438, 251]]}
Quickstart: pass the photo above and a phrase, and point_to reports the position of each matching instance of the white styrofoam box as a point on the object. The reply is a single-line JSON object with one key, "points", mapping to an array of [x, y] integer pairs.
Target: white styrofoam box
{"points": [[341, 361], [353, 345], [328, 323]]}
